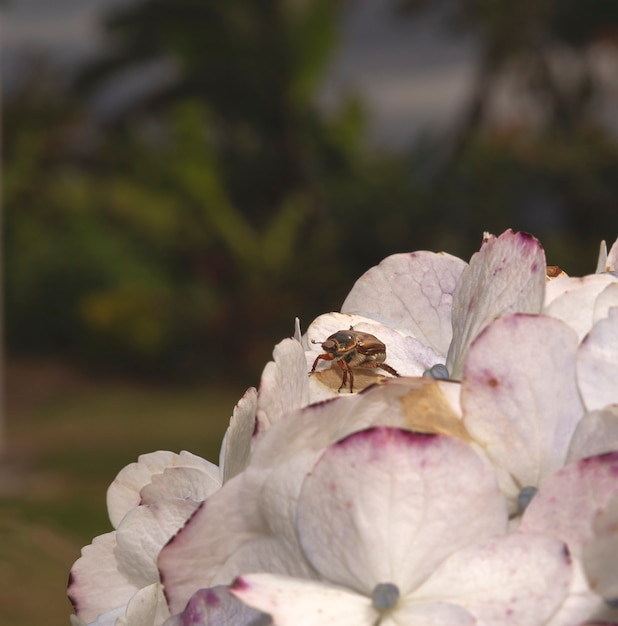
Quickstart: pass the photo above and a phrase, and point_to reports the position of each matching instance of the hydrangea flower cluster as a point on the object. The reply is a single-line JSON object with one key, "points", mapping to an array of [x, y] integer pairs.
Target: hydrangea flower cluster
{"points": [[472, 481]]}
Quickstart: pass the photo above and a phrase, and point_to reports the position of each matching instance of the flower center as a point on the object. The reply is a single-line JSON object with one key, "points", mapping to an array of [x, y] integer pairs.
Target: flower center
{"points": [[525, 497], [384, 596], [437, 371]]}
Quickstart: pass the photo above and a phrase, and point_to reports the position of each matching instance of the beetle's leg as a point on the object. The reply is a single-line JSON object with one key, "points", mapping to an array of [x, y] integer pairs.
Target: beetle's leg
{"points": [[346, 370], [326, 357], [382, 366], [389, 369]]}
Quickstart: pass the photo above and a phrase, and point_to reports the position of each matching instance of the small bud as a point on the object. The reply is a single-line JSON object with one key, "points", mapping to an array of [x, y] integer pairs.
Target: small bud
{"points": [[384, 597]]}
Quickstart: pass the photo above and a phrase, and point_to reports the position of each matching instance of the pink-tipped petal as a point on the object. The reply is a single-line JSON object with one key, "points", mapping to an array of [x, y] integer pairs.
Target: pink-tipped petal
{"points": [[506, 276], [294, 602], [520, 398], [386, 506]]}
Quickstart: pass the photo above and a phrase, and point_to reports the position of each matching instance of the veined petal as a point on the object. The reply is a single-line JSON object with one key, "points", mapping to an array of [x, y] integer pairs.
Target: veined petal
{"points": [[386, 506], [125, 492], [147, 607], [568, 501], [180, 483], [295, 602], [95, 584], [236, 445], [506, 276], [520, 402], [597, 363], [515, 579], [411, 292], [142, 534]]}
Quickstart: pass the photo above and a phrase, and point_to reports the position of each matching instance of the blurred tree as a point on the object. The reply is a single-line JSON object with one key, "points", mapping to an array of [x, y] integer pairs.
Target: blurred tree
{"points": [[548, 164]]}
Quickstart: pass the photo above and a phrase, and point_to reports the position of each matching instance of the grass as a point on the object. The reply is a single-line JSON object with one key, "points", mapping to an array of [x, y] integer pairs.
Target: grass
{"points": [[67, 436]]}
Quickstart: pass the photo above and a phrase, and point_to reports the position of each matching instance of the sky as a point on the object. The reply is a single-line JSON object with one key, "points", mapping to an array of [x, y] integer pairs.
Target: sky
{"points": [[412, 77]]}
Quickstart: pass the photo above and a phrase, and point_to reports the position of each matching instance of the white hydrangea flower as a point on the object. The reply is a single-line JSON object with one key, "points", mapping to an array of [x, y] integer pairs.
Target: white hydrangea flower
{"points": [[116, 580]]}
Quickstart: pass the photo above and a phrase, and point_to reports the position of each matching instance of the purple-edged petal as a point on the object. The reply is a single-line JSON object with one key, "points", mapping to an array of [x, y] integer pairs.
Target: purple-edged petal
{"points": [[294, 602], [284, 385], [515, 579], [421, 404], [236, 445], [125, 492], [573, 299], [386, 506], [95, 584], [568, 501], [411, 292], [227, 536], [217, 607], [597, 433], [506, 276], [520, 399], [597, 363]]}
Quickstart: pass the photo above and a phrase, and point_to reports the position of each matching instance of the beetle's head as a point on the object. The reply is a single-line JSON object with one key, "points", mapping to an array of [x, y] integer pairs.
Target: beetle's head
{"points": [[339, 342]]}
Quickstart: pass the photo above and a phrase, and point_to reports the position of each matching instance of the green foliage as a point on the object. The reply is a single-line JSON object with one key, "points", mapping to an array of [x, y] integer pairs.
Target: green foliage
{"points": [[186, 231]]}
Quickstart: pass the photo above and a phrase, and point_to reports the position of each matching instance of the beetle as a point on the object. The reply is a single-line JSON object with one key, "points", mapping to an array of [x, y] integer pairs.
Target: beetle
{"points": [[352, 348]]}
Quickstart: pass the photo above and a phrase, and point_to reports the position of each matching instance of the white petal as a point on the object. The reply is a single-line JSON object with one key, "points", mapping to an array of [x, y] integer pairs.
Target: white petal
{"points": [[597, 363], [294, 602], [125, 492], [386, 506], [427, 613], [236, 446], [516, 579], [147, 607], [605, 301], [611, 264], [599, 554], [602, 259], [142, 534], [411, 292], [96, 586], [284, 385], [227, 536], [506, 276], [520, 401], [568, 501], [180, 483], [573, 299], [597, 433]]}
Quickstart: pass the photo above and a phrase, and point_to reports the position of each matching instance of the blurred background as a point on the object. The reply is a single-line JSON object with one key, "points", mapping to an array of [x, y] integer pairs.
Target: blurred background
{"points": [[181, 178]]}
